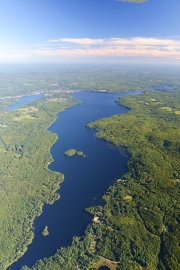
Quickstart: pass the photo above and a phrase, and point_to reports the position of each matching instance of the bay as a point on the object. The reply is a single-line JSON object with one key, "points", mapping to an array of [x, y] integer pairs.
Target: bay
{"points": [[24, 101]]}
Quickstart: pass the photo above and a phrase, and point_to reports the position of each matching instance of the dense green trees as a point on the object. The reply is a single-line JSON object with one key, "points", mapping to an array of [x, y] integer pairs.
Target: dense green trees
{"points": [[45, 232], [151, 136], [139, 224], [72, 152], [26, 183]]}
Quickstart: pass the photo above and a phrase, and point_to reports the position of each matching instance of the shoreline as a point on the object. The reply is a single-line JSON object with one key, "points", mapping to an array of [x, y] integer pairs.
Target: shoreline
{"points": [[46, 167]]}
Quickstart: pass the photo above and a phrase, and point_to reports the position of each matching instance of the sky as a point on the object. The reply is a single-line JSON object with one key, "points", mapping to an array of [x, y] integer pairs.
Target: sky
{"points": [[90, 31]]}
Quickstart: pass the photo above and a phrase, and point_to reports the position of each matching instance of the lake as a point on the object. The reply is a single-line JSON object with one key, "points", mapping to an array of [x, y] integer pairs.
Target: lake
{"points": [[24, 101], [86, 178]]}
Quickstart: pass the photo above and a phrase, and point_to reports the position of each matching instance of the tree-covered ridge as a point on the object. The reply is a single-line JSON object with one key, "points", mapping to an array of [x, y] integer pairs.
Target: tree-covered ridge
{"points": [[26, 183], [138, 227]]}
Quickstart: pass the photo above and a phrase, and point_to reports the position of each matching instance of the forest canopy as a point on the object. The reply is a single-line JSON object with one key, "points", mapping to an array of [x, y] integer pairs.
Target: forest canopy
{"points": [[138, 226]]}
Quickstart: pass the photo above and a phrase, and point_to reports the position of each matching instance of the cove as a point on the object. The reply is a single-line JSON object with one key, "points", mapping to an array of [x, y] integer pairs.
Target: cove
{"points": [[24, 101], [86, 178]]}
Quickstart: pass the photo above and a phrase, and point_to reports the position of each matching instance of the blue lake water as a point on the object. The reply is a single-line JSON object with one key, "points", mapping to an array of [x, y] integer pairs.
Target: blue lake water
{"points": [[24, 101], [86, 178]]}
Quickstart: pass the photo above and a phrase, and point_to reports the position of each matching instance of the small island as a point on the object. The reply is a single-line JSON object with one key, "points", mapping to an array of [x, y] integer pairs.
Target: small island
{"points": [[72, 152], [45, 232], [79, 153]]}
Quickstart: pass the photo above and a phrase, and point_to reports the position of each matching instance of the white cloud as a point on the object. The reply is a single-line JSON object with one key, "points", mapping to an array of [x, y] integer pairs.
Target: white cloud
{"points": [[139, 47], [80, 41], [117, 41]]}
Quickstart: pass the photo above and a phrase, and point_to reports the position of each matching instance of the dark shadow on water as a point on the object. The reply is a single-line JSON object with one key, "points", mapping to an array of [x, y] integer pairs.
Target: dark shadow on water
{"points": [[104, 268]]}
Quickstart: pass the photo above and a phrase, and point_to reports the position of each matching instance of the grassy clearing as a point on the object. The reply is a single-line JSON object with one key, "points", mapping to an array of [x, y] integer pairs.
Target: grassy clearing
{"points": [[168, 109], [104, 262], [128, 197], [22, 117]]}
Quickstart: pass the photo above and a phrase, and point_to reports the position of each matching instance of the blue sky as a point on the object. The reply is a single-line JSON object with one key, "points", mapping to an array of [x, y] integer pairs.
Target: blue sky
{"points": [[89, 30]]}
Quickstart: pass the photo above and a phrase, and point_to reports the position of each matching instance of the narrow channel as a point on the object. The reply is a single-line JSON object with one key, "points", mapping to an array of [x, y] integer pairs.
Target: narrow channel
{"points": [[86, 178]]}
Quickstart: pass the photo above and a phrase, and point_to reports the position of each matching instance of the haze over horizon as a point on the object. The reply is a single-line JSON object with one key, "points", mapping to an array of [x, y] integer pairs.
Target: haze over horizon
{"points": [[121, 31]]}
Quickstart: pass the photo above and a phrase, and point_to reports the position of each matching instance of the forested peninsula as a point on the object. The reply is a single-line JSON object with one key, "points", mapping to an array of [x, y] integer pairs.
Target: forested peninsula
{"points": [[138, 227]]}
